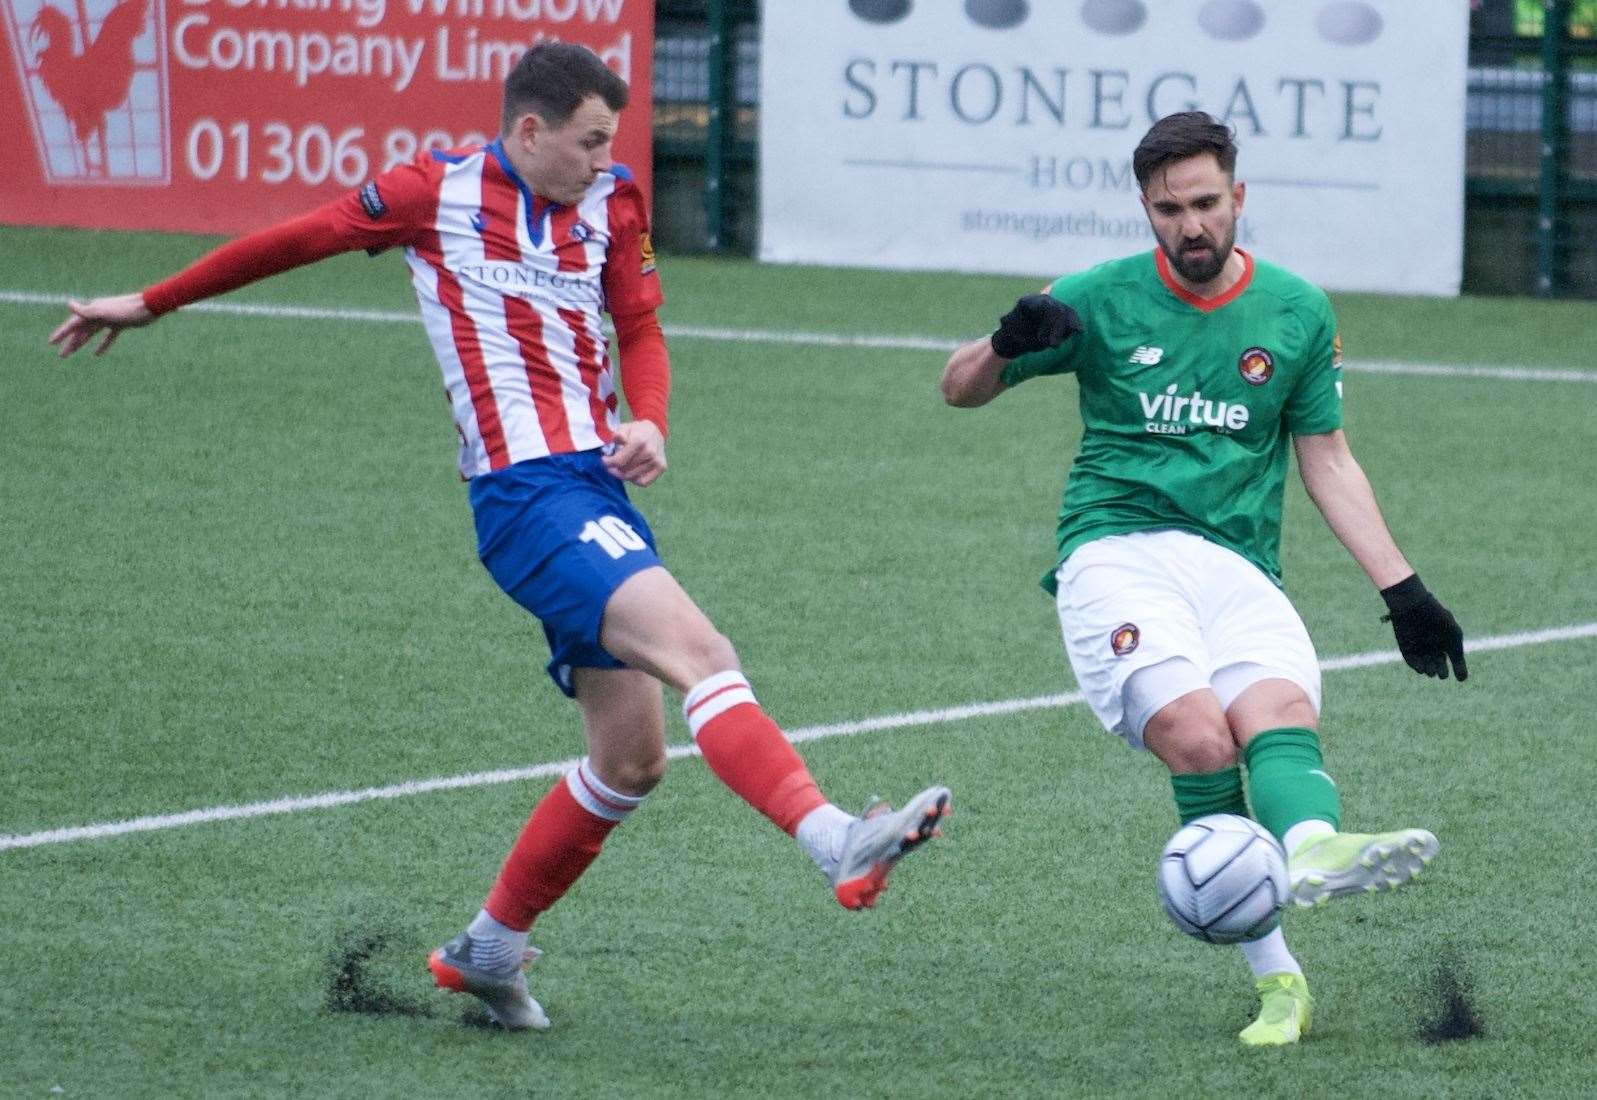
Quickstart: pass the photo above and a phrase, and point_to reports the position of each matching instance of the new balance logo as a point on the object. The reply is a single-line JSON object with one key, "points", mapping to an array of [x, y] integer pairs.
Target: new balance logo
{"points": [[1146, 356]]}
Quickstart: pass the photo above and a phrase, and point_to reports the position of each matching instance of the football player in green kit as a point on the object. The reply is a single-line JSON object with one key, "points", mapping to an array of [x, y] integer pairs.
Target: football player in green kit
{"points": [[1196, 365]]}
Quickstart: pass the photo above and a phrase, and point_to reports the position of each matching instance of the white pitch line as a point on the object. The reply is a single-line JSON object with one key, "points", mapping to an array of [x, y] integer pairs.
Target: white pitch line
{"points": [[805, 339], [1438, 370], [945, 715]]}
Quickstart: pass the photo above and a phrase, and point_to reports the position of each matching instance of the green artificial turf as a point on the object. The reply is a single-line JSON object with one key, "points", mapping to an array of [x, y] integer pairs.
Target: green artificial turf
{"points": [[239, 566]]}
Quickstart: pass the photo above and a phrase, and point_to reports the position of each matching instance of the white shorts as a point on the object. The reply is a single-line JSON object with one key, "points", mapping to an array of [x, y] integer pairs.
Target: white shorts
{"points": [[1130, 602]]}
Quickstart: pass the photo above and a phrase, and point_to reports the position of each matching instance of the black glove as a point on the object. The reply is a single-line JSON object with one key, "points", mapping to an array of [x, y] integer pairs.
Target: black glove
{"points": [[1038, 322], [1427, 634]]}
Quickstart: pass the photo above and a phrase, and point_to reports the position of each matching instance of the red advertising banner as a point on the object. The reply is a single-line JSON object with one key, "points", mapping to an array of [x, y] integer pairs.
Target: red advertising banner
{"points": [[225, 115]]}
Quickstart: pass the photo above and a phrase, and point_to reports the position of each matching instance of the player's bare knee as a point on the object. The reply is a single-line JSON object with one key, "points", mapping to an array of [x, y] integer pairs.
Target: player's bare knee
{"points": [[1208, 752], [1192, 749], [1179, 717], [637, 773], [1300, 713], [1190, 735], [1270, 704], [711, 652], [632, 764]]}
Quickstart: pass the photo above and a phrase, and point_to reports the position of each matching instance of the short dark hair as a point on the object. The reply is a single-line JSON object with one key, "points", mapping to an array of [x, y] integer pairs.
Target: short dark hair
{"points": [[552, 80], [1179, 136]]}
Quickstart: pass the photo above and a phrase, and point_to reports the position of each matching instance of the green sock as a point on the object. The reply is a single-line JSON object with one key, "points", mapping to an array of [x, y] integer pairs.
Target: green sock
{"points": [[1287, 780], [1209, 793]]}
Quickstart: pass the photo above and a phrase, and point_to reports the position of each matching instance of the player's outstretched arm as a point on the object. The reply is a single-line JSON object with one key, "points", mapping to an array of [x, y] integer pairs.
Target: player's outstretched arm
{"points": [[1427, 634], [337, 227], [974, 373], [109, 315], [1339, 489]]}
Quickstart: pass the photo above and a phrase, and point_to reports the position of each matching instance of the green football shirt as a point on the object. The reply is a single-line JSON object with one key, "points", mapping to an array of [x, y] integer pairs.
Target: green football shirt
{"points": [[1187, 403]]}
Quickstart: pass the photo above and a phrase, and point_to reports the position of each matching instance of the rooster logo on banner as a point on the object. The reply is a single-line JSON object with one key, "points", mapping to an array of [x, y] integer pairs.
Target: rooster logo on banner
{"points": [[87, 77]]}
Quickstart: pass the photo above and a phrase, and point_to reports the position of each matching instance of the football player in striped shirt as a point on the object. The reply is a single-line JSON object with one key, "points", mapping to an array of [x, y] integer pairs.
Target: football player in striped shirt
{"points": [[1197, 366], [515, 249]]}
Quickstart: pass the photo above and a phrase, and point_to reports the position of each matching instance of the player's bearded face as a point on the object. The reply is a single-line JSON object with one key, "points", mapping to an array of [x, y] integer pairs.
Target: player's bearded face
{"points": [[1193, 206], [1200, 259]]}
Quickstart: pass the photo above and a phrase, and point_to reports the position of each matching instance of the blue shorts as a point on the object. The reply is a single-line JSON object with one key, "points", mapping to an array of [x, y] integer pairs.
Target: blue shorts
{"points": [[559, 536]]}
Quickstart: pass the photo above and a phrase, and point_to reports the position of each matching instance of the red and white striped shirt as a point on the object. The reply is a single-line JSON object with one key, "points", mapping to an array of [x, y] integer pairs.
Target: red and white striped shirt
{"points": [[511, 288]]}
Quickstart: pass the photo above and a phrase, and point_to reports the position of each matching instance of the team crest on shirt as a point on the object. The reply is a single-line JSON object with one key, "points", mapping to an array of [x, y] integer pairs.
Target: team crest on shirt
{"points": [[1257, 366], [582, 231], [1124, 639]]}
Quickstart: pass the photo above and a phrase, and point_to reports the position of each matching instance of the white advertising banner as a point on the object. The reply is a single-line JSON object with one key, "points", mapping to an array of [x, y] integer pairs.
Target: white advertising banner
{"points": [[996, 135]]}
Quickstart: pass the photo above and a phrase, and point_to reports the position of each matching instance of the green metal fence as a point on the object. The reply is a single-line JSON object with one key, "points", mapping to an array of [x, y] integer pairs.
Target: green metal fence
{"points": [[1531, 148], [706, 98], [1530, 160]]}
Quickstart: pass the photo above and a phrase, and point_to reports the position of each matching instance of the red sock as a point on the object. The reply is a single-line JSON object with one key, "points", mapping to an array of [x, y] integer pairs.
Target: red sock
{"points": [[563, 835], [747, 751]]}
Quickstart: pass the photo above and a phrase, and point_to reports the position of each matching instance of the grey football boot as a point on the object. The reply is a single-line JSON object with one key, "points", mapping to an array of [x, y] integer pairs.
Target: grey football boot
{"points": [[503, 993], [879, 839]]}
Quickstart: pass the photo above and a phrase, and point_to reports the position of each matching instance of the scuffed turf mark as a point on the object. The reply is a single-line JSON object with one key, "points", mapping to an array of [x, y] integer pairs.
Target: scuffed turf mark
{"points": [[353, 987], [477, 1017], [1450, 1005]]}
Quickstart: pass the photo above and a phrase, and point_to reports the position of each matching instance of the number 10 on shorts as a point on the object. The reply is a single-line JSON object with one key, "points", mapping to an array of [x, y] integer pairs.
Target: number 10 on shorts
{"points": [[613, 534]]}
